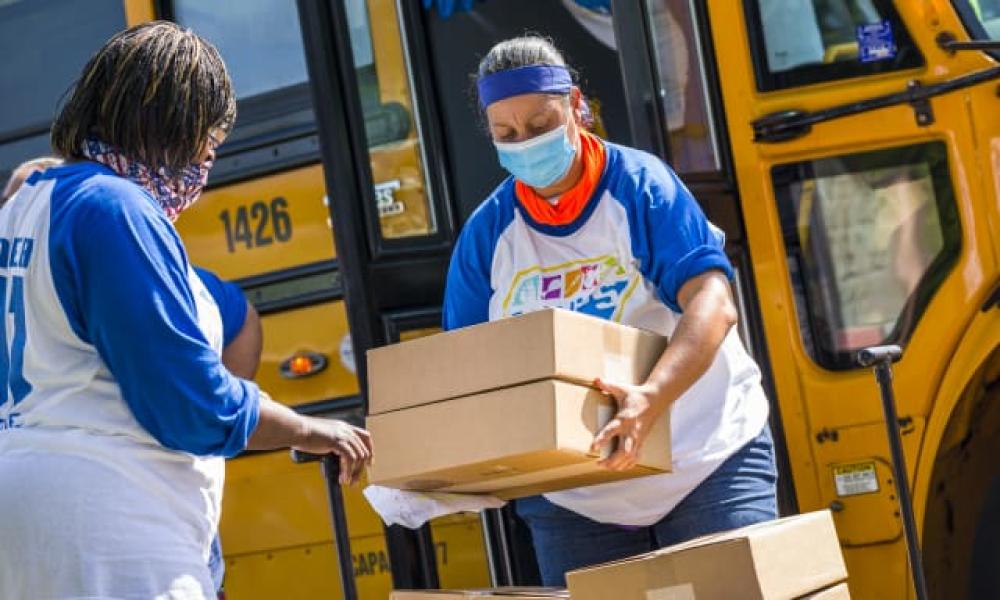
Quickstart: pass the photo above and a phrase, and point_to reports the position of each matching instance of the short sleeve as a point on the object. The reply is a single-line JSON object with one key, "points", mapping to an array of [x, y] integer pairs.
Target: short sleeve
{"points": [[672, 239]]}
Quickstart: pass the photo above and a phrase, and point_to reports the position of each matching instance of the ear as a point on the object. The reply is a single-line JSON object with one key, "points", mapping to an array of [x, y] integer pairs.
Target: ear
{"points": [[576, 105]]}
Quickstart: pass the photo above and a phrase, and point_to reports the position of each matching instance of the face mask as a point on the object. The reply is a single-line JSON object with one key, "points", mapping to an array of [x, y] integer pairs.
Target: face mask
{"points": [[174, 192], [540, 161]]}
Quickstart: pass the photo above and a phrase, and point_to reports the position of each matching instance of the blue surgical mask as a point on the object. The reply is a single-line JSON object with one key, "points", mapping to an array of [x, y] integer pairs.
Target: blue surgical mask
{"points": [[540, 161]]}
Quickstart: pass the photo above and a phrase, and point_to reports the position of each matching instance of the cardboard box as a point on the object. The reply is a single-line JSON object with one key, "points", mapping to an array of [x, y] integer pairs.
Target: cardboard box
{"points": [[510, 442], [548, 344], [782, 559], [837, 592], [484, 594]]}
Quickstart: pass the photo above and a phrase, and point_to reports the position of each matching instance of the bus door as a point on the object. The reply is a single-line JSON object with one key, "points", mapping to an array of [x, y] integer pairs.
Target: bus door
{"points": [[854, 144]]}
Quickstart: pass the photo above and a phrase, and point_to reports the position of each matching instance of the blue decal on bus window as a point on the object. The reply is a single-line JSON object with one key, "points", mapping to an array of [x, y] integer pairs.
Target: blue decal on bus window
{"points": [[876, 42]]}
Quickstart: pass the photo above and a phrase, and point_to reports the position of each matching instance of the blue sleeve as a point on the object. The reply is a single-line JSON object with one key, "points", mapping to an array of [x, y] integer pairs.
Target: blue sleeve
{"points": [[671, 237], [121, 276], [231, 302], [469, 287], [467, 291]]}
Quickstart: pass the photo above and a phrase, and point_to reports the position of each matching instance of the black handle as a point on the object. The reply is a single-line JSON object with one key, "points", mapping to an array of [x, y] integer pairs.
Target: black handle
{"points": [[341, 539], [881, 359], [301, 457]]}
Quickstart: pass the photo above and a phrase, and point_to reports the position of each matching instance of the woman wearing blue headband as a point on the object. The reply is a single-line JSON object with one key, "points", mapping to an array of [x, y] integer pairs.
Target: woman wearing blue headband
{"points": [[587, 225]]}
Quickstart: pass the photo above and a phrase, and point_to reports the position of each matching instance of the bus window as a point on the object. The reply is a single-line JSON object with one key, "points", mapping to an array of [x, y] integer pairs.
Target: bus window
{"points": [[396, 153], [795, 42], [981, 17], [259, 40], [869, 237], [61, 35], [681, 69]]}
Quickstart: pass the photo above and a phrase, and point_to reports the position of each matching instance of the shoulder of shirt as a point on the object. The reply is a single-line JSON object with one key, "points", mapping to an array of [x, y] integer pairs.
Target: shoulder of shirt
{"points": [[495, 213], [638, 174], [93, 191]]}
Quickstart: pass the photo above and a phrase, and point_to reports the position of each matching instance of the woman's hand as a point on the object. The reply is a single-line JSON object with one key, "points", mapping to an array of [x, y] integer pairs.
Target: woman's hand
{"points": [[353, 445], [282, 427], [638, 410]]}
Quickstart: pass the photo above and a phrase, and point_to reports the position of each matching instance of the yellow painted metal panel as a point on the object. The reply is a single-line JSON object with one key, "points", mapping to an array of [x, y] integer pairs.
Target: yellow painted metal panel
{"points": [[277, 538], [322, 329], [461, 554], [865, 518], [307, 573], [267, 224], [139, 11], [271, 503]]}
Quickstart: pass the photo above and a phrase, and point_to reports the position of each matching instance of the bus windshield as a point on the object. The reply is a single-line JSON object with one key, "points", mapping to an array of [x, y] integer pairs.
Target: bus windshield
{"points": [[982, 17]]}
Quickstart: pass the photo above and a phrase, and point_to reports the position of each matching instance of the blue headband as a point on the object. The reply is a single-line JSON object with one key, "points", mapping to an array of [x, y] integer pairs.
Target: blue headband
{"points": [[533, 79]]}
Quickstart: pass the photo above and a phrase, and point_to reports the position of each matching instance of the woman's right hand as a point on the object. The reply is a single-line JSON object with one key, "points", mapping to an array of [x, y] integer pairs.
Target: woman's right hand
{"points": [[281, 427], [353, 445]]}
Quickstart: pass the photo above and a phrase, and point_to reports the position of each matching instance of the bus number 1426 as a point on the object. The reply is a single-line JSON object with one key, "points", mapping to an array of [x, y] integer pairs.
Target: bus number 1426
{"points": [[256, 225]]}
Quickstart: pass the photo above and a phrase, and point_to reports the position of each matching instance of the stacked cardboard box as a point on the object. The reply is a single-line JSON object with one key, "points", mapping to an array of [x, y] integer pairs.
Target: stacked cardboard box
{"points": [[506, 408], [795, 557], [509, 593]]}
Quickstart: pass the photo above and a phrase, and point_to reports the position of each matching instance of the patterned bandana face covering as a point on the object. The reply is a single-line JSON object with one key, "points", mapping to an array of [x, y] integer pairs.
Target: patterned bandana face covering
{"points": [[174, 192]]}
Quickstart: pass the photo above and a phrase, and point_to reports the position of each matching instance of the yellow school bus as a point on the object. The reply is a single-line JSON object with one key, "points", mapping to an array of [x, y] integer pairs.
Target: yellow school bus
{"points": [[850, 149]]}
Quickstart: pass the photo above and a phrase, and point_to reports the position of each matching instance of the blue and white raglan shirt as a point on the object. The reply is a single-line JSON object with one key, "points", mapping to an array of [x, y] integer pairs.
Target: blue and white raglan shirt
{"points": [[116, 411], [639, 239], [229, 299], [233, 307]]}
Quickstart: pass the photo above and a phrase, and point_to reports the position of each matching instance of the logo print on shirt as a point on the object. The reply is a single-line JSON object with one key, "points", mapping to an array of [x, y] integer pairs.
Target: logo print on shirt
{"points": [[595, 286]]}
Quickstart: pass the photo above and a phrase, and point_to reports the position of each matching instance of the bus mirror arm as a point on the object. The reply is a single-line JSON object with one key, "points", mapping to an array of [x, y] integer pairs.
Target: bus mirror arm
{"points": [[950, 44]]}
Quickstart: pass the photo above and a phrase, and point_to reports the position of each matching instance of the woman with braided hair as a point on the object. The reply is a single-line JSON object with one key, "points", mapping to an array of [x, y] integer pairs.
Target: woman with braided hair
{"points": [[116, 410]]}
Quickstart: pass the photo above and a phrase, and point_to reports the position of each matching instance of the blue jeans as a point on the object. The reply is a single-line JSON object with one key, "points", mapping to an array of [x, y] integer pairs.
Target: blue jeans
{"points": [[216, 563], [742, 491]]}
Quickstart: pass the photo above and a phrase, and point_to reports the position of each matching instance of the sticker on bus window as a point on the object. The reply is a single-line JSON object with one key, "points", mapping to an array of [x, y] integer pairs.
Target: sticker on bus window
{"points": [[855, 479], [385, 199], [876, 42]]}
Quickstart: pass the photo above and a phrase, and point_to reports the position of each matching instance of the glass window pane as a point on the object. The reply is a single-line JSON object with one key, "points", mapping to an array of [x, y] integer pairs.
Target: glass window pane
{"points": [[397, 160], [681, 69], [44, 46], [869, 237], [799, 42], [260, 40], [982, 17]]}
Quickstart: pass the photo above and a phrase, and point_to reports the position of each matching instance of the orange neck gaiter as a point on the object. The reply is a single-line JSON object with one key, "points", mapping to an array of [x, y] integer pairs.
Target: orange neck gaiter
{"points": [[571, 202]]}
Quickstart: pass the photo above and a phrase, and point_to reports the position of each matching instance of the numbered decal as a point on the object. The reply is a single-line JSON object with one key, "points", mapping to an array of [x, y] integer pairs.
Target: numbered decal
{"points": [[257, 225]]}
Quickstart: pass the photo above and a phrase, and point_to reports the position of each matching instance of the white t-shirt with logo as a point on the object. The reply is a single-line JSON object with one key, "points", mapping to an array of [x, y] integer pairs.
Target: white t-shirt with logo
{"points": [[640, 238]]}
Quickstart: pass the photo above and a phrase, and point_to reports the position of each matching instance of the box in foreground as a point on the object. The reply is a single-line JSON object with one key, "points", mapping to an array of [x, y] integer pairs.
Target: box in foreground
{"points": [[784, 559]]}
